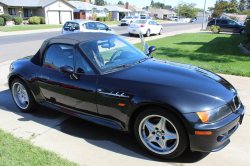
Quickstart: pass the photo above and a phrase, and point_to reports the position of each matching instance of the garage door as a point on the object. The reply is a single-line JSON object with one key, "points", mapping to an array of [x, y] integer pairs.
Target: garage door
{"points": [[65, 16], [53, 17]]}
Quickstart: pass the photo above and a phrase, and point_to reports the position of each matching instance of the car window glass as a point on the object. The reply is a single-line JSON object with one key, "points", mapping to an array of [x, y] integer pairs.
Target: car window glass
{"points": [[151, 23], [155, 23], [81, 65], [140, 21], [110, 52], [212, 21], [91, 25], [101, 26], [59, 55], [230, 22], [223, 22], [69, 26]]}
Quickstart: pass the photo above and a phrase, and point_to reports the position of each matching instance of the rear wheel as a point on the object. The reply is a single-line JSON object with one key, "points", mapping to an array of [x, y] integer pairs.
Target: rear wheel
{"points": [[23, 96], [160, 133]]}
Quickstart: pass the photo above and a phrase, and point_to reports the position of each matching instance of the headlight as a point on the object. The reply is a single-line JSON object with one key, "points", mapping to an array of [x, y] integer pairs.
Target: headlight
{"points": [[214, 115]]}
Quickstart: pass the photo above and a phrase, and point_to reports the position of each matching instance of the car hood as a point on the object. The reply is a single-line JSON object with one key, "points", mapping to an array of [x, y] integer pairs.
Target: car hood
{"points": [[177, 75]]}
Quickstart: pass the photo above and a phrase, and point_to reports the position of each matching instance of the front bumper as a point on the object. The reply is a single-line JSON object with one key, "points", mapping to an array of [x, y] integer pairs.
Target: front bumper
{"points": [[221, 132]]}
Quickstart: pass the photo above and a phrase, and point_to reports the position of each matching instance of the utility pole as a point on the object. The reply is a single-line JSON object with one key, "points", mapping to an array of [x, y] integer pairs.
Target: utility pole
{"points": [[179, 9], [204, 15]]}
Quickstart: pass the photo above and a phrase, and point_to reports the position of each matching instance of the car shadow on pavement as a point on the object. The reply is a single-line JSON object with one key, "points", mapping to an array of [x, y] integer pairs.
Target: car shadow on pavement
{"points": [[95, 134]]}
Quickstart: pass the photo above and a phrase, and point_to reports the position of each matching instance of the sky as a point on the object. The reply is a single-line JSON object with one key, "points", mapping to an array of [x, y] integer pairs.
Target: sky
{"points": [[143, 3]]}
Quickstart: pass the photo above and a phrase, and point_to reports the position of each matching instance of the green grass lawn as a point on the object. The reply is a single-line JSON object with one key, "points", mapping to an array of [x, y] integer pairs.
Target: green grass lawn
{"points": [[219, 53], [112, 22], [15, 151], [28, 27]]}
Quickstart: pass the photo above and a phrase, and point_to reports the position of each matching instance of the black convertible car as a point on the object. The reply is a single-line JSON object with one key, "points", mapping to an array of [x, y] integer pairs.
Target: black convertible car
{"points": [[104, 79]]}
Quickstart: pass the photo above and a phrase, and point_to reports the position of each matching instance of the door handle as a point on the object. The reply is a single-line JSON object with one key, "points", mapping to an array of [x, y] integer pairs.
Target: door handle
{"points": [[44, 78]]}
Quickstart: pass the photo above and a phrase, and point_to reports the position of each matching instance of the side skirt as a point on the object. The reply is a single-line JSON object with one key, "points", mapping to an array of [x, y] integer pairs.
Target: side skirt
{"points": [[86, 117]]}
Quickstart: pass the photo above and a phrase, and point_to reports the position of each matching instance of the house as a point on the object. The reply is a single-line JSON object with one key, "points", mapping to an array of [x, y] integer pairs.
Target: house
{"points": [[118, 12], [160, 13], [240, 18], [54, 11], [135, 10], [84, 10]]}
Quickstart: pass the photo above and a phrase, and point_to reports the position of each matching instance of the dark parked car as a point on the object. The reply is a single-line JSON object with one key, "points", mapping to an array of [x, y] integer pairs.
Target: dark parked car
{"points": [[228, 25], [102, 78]]}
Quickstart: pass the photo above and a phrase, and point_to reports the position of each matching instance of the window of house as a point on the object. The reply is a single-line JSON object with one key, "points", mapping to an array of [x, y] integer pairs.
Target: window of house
{"points": [[12, 11], [27, 12], [102, 12], [90, 12]]}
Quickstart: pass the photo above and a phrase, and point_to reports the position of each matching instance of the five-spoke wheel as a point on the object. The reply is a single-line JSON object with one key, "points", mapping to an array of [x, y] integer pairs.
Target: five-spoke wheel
{"points": [[160, 132]]}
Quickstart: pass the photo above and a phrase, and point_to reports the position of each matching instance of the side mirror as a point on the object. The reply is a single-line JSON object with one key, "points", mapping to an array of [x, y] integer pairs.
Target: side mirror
{"points": [[150, 50], [108, 29], [66, 70]]}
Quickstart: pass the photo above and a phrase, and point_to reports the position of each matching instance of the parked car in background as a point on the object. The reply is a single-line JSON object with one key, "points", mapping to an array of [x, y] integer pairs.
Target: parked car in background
{"points": [[146, 18], [193, 20], [173, 18], [228, 25], [81, 26], [128, 20], [147, 27]]}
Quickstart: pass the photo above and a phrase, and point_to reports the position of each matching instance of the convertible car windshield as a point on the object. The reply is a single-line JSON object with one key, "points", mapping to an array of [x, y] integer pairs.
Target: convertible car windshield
{"points": [[108, 53]]}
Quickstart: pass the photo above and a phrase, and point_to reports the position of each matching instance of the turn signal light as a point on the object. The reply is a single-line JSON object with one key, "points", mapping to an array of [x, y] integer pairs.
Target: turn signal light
{"points": [[203, 133], [121, 104], [204, 116], [142, 25]]}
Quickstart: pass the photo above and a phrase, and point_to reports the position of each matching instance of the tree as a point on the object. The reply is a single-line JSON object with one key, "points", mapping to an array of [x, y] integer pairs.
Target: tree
{"points": [[221, 6], [110, 16], [152, 3], [100, 2], [120, 3], [187, 10], [94, 15], [232, 10], [242, 5]]}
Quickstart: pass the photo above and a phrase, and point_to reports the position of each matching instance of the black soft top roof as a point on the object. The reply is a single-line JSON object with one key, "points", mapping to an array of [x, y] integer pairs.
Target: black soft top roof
{"points": [[70, 39]]}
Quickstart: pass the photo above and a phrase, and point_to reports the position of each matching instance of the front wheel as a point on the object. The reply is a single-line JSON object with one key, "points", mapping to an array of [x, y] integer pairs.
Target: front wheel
{"points": [[242, 31], [160, 133], [147, 33], [160, 33], [23, 96]]}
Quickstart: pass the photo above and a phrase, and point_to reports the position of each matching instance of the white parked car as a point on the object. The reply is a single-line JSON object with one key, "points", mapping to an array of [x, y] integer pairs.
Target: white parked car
{"points": [[81, 26], [128, 20], [173, 18], [147, 27]]}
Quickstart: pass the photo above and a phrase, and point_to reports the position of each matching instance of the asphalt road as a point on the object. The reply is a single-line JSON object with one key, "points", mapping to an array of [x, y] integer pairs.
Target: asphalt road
{"points": [[17, 46]]}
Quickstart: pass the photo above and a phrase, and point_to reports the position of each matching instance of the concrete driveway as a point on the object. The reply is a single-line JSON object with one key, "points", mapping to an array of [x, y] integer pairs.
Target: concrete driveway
{"points": [[87, 143]]}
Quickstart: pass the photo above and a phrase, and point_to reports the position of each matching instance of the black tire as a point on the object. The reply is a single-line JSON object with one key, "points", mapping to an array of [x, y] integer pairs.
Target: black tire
{"points": [[147, 33], [130, 34], [32, 104], [182, 133], [160, 33], [242, 31]]}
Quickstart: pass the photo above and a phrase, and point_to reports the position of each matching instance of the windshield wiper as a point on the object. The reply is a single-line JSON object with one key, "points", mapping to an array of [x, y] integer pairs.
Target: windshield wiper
{"points": [[117, 67]]}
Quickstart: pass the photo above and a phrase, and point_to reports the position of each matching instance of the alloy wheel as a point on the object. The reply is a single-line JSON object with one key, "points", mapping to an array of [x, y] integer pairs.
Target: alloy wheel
{"points": [[158, 134], [20, 95]]}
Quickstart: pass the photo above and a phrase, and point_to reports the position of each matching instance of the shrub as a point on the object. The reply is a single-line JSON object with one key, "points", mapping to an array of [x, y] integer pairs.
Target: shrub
{"points": [[18, 20], [215, 29], [6, 17], [110, 16], [34, 20], [42, 20], [247, 32], [1, 21]]}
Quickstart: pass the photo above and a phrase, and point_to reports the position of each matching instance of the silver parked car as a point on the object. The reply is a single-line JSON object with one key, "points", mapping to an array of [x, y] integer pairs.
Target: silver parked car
{"points": [[81, 26]]}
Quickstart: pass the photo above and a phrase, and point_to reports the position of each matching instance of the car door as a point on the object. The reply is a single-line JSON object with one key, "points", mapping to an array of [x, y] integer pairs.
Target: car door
{"points": [[91, 27], [102, 27], [223, 26], [232, 26], [63, 90], [157, 27], [151, 26]]}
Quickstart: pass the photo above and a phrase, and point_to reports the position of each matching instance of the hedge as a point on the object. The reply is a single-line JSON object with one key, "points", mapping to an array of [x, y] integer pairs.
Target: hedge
{"points": [[6, 17], [18, 20], [34, 20], [1, 21], [42, 20], [102, 19]]}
